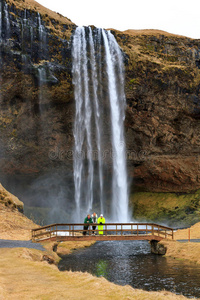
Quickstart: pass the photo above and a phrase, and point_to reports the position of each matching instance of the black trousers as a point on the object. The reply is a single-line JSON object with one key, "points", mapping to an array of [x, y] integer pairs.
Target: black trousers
{"points": [[93, 227], [85, 228]]}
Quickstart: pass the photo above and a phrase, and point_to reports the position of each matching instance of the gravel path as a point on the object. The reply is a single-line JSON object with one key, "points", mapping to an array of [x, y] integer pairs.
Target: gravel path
{"points": [[21, 244]]}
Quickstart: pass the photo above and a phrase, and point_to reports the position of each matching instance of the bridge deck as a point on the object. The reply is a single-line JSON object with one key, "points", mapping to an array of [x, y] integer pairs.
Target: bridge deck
{"points": [[107, 238], [111, 232]]}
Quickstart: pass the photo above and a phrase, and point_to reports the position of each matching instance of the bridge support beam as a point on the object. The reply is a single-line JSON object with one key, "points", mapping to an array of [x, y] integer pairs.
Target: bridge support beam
{"points": [[158, 248]]}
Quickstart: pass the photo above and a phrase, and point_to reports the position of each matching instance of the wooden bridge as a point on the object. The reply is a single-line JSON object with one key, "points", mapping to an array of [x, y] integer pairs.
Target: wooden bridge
{"points": [[111, 232]]}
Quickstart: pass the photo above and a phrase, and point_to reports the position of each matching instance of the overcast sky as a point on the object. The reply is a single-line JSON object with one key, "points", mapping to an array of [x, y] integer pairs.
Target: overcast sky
{"points": [[174, 16]]}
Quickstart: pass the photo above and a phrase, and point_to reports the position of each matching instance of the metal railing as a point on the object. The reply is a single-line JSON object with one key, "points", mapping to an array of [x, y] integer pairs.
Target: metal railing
{"points": [[111, 231]]}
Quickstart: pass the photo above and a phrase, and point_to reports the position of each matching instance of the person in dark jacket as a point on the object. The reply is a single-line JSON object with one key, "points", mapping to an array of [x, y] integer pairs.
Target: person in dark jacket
{"points": [[87, 222]]}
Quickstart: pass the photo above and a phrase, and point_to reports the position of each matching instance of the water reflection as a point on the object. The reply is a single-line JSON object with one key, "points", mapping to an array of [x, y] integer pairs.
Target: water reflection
{"points": [[131, 262]]}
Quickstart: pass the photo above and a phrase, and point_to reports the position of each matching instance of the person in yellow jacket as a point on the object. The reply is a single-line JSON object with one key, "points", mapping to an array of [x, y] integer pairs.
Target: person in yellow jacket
{"points": [[101, 220]]}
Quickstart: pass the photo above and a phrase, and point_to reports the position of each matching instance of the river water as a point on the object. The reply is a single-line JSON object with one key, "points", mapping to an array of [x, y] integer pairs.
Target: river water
{"points": [[131, 262]]}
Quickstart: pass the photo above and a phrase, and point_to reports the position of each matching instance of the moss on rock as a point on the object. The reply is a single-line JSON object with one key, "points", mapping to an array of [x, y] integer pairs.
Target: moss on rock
{"points": [[172, 209]]}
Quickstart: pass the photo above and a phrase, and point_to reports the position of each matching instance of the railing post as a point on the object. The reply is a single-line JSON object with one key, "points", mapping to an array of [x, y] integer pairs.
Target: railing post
{"points": [[137, 229], [106, 230], [152, 227], [172, 234], [121, 229], [116, 229]]}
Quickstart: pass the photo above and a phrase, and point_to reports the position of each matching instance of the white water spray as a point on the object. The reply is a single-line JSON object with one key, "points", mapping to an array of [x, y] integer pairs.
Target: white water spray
{"points": [[97, 61]]}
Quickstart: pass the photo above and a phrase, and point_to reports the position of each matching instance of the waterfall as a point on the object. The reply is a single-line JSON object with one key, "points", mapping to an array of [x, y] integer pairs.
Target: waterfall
{"points": [[0, 21], [98, 78], [7, 21], [117, 104], [42, 80], [42, 34], [97, 114]]}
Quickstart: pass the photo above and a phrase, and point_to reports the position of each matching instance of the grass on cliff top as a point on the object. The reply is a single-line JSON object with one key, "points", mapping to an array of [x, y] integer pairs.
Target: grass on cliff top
{"points": [[47, 15], [154, 32], [39, 280], [35, 6]]}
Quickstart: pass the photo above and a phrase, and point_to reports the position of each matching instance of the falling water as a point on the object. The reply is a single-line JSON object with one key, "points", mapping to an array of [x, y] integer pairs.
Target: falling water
{"points": [[115, 70], [97, 114], [7, 21], [96, 58], [24, 23], [0, 21], [42, 34], [42, 80]]}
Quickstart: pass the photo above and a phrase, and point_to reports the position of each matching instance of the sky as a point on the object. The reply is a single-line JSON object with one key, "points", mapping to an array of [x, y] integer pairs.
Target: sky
{"points": [[180, 17]]}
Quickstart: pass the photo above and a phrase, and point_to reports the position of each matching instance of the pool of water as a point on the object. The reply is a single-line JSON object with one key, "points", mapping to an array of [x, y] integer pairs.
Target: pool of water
{"points": [[131, 262]]}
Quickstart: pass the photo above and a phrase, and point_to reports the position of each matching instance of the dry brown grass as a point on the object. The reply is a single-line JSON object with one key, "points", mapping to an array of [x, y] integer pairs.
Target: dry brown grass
{"points": [[35, 6], [9, 199], [154, 32], [67, 247], [14, 225], [187, 251], [53, 21], [184, 233], [29, 278]]}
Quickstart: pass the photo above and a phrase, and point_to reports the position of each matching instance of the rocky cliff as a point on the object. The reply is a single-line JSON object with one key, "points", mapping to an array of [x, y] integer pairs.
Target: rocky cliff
{"points": [[37, 107], [163, 110]]}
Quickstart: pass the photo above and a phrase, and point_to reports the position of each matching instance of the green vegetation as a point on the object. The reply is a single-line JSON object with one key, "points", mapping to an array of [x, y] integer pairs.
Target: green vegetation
{"points": [[179, 210]]}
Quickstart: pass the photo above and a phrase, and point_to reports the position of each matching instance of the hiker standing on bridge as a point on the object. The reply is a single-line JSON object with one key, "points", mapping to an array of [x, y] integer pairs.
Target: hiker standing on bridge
{"points": [[87, 222], [101, 221], [94, 220]]}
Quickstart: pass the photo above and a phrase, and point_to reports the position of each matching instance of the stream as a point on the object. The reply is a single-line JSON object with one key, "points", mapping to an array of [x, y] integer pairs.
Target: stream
{"points": [[131, 262]]}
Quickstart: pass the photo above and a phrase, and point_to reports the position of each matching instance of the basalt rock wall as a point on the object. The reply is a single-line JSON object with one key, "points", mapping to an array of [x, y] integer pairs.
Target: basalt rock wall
{"points": [[162, 122]]}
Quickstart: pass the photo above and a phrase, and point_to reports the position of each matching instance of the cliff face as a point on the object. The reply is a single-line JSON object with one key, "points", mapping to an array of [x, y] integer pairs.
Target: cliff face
{"points": [[37, 107], [163, 110], [36, 88]]}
